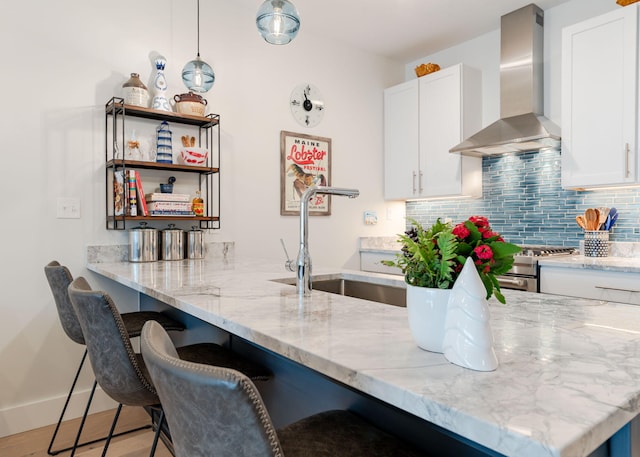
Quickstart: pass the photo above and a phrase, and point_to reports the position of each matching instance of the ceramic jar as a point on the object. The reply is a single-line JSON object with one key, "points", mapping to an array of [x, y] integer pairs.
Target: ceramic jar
{"points": [[190, 103], [135, 92]]}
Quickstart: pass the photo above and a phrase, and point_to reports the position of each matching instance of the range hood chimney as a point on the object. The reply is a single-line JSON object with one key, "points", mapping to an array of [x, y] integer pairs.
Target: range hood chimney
{"points": [[521, 127]]}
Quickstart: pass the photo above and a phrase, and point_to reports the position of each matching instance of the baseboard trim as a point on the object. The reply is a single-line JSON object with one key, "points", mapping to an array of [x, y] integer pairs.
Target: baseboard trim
{"points": [[21, 418]]}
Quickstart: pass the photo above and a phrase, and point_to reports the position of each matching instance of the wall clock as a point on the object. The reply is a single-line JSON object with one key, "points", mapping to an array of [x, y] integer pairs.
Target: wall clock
{"points": [[307, 105]]}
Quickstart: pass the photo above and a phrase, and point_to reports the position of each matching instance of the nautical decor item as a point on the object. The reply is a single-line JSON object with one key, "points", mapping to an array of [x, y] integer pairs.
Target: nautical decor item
{"points": [[160, 101], [164, 149]]}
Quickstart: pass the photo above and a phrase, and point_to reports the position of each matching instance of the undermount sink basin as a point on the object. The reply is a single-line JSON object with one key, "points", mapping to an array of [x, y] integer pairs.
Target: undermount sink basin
{"points": [[381, 293]]}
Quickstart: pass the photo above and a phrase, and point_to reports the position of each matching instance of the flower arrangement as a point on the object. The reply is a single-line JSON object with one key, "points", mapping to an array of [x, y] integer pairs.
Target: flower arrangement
{"points": [[434, 257]]}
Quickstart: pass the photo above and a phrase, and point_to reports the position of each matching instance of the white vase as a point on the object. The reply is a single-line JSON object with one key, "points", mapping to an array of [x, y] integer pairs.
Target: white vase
{"points": [[468, 340], [160, 101], [427, 309]]}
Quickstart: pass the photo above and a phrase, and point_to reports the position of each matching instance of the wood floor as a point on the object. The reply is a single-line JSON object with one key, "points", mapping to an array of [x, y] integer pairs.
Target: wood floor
{"points": [[34, 443]]}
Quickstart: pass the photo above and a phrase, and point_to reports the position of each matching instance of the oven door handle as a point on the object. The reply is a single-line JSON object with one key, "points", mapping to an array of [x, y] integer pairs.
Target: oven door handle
{"points": [[513, 282]]}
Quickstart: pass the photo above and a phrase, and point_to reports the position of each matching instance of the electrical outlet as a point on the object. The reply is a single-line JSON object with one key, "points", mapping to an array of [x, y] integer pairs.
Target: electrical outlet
{"points": [[68, 208]]}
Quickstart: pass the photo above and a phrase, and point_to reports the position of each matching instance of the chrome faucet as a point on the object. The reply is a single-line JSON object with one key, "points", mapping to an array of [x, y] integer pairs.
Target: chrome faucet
{"points": [[303, 277]]}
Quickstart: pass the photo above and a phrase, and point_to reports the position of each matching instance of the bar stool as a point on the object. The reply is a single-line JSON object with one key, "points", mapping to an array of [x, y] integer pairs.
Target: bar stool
{"points": [[121, 372], [59, 279], [218, 411]]}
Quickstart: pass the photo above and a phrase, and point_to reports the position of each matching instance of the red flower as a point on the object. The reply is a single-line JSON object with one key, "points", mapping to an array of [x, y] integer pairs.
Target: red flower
{"points": [[461, 231], [483, 252], [488, 233], [480, 221]]}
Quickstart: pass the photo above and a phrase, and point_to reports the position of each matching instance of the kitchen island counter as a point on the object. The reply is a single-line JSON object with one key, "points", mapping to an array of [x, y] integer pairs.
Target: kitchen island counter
{"points": [[569, 373]]}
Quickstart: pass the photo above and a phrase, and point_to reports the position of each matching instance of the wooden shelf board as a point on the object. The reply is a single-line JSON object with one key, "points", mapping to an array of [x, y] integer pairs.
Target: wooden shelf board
{"points": [[161, 166], [116, 105]]}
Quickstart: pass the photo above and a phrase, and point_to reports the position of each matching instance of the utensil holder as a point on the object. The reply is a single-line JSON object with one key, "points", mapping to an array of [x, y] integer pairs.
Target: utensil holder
{"points": [[596, 243]]}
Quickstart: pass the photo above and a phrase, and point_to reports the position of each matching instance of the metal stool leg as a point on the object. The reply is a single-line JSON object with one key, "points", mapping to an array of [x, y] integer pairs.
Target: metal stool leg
{"points": [[77, 443], [113, 427], [156, 435], [64, 409]]}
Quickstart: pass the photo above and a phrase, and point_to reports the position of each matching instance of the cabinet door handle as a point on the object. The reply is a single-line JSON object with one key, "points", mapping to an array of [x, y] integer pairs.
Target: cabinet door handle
{"points": [[420, 182], [414, 181], [626, 160], [618, 289]]}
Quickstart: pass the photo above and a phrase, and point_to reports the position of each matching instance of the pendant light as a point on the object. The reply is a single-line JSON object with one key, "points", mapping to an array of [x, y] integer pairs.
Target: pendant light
{"points": [[278, 21], [197, 74]]}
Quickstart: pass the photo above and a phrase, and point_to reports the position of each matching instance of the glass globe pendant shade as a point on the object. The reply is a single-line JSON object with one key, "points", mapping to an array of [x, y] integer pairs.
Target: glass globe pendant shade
{"points": [[198, 75], [278, 21]]}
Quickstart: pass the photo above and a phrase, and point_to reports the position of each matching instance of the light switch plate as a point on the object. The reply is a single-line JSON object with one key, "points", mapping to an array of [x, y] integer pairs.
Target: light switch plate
{"points": [[68, 208]]}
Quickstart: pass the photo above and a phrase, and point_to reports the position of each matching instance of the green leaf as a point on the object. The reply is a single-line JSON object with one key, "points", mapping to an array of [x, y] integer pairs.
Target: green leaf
{"points": [[502, 249]]}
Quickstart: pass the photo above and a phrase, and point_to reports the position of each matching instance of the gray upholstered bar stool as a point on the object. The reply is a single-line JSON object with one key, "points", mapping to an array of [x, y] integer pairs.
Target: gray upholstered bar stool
{"points": [[120, 372], [59, 279], [218, 411]]}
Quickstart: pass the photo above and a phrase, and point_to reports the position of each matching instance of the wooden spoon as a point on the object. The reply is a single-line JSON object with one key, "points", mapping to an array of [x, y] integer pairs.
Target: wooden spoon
{"points": [[604, 213], [581, 222], [591, 216]]}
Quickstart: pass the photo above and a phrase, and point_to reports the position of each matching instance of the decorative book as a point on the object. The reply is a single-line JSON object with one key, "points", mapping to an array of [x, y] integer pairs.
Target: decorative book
{"points": [[162, 197]]}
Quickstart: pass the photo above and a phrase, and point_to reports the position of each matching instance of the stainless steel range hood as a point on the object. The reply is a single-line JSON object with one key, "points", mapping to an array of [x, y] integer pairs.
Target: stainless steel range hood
{"points": [[521, 127]]}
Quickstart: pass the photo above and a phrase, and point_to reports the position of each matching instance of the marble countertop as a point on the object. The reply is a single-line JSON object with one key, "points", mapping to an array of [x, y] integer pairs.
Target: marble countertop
{"points": [[568, 373]]}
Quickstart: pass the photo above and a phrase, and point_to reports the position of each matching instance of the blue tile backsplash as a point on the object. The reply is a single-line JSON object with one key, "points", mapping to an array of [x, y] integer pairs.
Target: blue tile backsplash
{"points": [[524, 201]]}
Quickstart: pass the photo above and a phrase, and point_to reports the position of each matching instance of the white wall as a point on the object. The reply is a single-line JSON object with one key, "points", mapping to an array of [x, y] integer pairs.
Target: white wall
{"points": [[62, 62]]}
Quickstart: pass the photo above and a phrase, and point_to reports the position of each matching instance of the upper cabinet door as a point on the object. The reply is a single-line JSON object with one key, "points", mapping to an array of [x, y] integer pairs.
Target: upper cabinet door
{"points": [[445, 97], [401, 173], [424, 118], [599, 97]]}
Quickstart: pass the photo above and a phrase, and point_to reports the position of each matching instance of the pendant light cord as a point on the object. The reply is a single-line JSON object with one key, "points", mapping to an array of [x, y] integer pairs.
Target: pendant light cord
{"points": [[198, 28]]}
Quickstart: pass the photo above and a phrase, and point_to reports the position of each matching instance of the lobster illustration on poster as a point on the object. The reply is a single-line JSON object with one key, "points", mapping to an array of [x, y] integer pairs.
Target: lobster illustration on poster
{"points": [[305, 161]]}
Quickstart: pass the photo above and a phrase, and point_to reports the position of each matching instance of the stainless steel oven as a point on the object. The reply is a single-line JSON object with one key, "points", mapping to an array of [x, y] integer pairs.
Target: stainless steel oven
{"points": [[525, 272]]}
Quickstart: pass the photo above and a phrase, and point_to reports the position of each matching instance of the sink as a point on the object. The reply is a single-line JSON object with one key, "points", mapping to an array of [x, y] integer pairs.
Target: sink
{"points": [[381, 293]]}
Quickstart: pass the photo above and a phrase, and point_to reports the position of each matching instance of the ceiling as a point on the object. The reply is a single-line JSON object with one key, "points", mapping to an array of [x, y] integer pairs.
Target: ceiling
{"points": [[406, 30]]}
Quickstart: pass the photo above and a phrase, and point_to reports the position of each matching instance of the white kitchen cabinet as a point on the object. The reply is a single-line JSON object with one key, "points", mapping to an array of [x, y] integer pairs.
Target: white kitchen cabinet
{"points": [[401, 145], [599, 101], [615, 286], [423, 119]]}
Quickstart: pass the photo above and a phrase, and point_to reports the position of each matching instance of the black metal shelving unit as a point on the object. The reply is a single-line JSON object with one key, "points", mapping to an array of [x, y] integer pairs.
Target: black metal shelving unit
{"points": [[208, 176]]}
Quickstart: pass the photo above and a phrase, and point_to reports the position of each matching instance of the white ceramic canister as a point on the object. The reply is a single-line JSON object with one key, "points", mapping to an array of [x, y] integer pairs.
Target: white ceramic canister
{"points": [[172, 243], [135, 92], [194, 247]]}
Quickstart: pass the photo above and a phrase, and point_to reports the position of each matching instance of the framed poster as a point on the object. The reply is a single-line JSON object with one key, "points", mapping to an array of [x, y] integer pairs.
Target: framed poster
{"points": [[305, 160]]}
